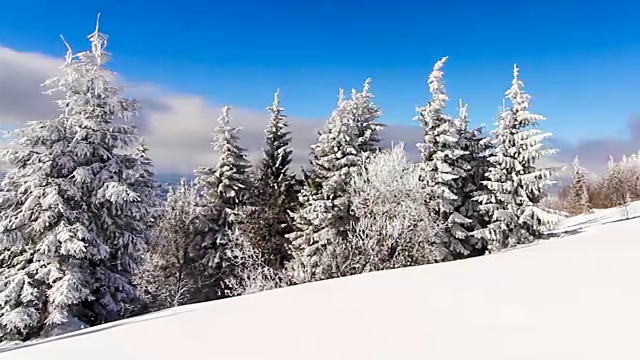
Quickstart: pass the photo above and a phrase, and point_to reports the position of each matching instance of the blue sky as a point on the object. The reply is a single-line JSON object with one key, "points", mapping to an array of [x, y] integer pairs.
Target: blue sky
{"points": [[579, 59]]}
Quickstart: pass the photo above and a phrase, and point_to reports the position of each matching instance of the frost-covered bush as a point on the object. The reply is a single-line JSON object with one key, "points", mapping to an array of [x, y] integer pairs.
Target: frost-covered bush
{"points": [[621, 184], [251, 273], [624, 178], [396, 224], [174, 273]]}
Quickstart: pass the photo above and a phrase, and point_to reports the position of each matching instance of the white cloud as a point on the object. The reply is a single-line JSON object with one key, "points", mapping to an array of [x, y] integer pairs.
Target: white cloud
{"points": [[178, 127]]}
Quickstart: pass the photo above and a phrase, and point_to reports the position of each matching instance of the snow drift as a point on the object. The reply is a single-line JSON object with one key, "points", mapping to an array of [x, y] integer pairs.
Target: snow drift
{"points": [[575, 296]]}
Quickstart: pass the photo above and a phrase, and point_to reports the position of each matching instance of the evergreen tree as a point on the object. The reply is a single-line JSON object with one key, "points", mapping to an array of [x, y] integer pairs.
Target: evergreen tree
{"points": [[443, 161], [515, 184], [475, 148], [273, 171], [325, 214], [365, 114], [73, 223], [578, 192], [143, 177], [267, 219], [228, 181], [351, 132], [224, 188]]}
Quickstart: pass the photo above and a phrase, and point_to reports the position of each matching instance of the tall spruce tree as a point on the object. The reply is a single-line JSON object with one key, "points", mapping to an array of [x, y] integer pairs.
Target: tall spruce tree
{"points": [[143, 177], [73, 221], [224, 189], [273, 170], [325, 214], [365, 115], [228, 180], [443, 161], [474, 160], [516, 182], [267, 218]]}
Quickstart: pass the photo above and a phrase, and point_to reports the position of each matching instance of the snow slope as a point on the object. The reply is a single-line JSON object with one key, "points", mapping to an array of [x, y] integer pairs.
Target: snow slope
{"points": [[573, 297]]}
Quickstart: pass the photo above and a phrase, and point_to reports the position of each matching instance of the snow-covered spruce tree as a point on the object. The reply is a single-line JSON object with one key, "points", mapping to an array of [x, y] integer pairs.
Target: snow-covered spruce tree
{"points": [[266, 219], [515, 183], [174, 273], [224, 189], [73, 224], [578, 192], [445, 164], [228, 180], [324, 217], [474, 159], [396, 227], [365, 114], [142, 176]]}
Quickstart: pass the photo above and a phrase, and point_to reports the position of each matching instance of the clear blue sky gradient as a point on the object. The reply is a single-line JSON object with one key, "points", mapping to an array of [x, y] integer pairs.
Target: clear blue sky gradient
{"points": [[579, 59]]}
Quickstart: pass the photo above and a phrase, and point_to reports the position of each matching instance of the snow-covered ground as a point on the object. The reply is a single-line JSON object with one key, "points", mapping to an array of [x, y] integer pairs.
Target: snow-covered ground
{"points": [[576, 296]]}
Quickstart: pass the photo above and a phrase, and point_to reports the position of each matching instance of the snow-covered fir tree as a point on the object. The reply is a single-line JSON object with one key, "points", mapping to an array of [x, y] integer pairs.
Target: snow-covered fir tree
{"points": [[474, 159], [579, 191], [224, 189], [365, 114], [143, 177], [325, 214], [515, 181], [274, 165], [73, 222], [228, 180], [267, 219], [445, 164]]}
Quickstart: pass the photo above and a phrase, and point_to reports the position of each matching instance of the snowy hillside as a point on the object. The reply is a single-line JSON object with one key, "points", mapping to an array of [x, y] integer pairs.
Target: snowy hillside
{"points": [[574, 297]]}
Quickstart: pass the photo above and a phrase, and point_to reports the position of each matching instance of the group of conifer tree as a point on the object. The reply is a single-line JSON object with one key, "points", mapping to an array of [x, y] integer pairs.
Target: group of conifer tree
{"points": [[618, 187], [85, 239]]}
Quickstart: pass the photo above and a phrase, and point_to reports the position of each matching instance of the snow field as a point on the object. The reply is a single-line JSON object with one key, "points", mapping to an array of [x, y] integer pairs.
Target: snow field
{"points": [[572, 297]]}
